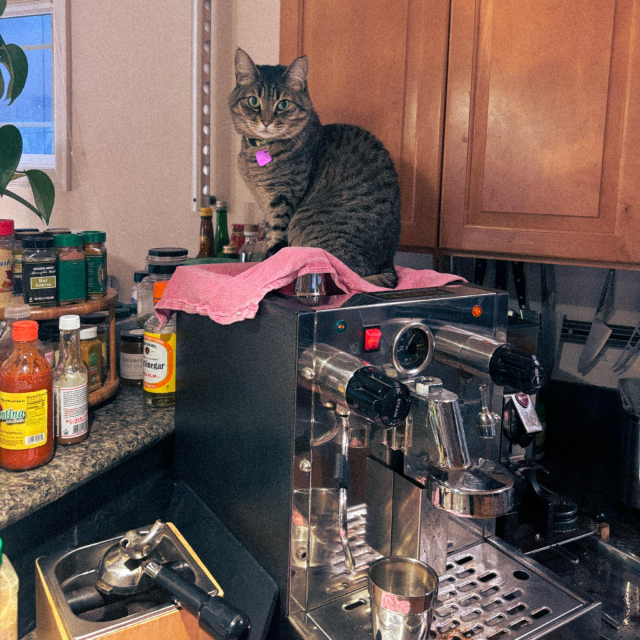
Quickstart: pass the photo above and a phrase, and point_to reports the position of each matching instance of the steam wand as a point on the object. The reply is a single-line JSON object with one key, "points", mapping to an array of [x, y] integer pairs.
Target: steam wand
{"points": [[341, 477]]}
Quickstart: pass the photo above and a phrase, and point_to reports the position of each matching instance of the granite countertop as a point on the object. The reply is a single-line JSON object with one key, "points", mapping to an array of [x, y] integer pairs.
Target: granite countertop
{"points": [[119, 429]]}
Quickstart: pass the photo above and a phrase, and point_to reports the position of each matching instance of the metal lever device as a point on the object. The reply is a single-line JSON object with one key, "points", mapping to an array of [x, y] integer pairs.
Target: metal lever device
{"points": [[490, 359]]}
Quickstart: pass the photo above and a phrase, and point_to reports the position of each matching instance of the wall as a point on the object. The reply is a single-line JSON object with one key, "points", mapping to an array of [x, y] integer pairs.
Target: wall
{"points": [[131, 130], [578, 291], [132, 147], [131, 122]]}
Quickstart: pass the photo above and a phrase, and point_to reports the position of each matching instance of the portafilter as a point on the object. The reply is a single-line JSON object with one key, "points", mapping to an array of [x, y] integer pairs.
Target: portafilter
{"points": [[135, 565]]}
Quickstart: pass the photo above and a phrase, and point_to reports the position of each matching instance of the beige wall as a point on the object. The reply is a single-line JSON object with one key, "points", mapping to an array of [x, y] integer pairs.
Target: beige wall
{"points": [[131, 122]]}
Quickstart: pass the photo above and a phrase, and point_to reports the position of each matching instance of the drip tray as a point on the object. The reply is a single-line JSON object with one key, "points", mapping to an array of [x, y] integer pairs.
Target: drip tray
{"points": [[489, 591]]}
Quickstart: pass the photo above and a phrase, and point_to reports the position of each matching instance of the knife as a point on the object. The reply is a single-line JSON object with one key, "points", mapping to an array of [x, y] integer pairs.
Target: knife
{"points": [[599, 332], [548, 318]]}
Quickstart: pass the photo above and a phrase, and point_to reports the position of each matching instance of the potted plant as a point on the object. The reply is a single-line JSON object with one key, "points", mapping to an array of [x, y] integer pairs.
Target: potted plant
{"points": [[13, 58]]}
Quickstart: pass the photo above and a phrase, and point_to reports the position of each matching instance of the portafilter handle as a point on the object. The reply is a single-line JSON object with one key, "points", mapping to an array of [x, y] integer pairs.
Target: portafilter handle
{"points": [[216, 616]]}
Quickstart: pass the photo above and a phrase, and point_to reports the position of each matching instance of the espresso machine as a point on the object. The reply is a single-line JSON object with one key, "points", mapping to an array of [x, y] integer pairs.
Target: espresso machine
{"points": [[331, 431]]}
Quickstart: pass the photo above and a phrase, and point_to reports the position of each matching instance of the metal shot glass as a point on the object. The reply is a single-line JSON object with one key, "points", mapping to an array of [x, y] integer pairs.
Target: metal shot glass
{"points": [[402, 592]]}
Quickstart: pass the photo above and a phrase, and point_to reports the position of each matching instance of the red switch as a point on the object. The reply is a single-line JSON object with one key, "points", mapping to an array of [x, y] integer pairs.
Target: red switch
{"points": [[372, 336]]}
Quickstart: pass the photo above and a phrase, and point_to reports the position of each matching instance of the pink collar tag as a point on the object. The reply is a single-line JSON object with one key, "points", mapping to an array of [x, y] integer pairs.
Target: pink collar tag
{"points": [[263, 157]]}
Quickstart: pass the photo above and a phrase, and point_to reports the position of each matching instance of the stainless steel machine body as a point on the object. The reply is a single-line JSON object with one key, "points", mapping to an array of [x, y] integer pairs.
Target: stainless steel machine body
{"points": [[284, 421]]}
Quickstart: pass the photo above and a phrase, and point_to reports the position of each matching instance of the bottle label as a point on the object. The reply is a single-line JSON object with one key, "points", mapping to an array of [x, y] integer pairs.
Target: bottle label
{"points": [[72, 280], [159, 363], [132, 366], [6, 274], [40, 282], [23, 419], [17, 275], [96, 275], [71, 411]]}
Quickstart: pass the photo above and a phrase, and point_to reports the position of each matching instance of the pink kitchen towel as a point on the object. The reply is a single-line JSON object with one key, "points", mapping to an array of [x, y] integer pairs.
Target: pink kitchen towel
{"points": [[230, 292]]}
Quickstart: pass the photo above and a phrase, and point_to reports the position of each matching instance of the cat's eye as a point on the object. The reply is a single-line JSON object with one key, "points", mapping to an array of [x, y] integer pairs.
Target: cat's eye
{"points": [[283, 105], [253, 102]]}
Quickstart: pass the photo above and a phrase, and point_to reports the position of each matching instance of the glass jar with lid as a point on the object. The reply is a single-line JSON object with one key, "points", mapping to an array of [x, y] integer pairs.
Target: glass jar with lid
{"points": [[100, 320], [39, 271], [17, 257], [161, 265], [72, 270], [96, 255], [132, 358], [6, 262]]}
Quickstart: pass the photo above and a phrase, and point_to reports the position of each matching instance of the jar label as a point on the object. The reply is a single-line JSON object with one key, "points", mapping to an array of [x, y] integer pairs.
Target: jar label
{"points": [[23, 419], [159, 363], [132, 366], [17, 275], [6, 274], [96, 275], [71, 411], [72, 280], [40, 282]]}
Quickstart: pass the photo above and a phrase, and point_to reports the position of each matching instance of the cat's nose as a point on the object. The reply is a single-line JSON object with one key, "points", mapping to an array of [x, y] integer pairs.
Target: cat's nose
{"points": [[265, 123]]}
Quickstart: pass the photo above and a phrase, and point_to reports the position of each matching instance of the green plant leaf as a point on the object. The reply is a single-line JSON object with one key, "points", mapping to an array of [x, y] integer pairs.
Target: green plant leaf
{"points": [[1, 86], [26, 203], [44, 192], [3, 6], [10, 152], [18, 72]]}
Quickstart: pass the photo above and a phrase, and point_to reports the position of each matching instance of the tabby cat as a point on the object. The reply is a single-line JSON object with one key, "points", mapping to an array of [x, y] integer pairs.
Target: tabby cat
{"points": [[328, 186]]}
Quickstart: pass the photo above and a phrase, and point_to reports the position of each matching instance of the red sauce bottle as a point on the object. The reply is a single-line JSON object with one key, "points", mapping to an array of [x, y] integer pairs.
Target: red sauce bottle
{"points": [[26, 399]]}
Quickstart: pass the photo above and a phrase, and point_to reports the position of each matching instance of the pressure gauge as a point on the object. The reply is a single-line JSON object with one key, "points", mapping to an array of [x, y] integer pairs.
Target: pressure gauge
{"points": [[412, 348]]}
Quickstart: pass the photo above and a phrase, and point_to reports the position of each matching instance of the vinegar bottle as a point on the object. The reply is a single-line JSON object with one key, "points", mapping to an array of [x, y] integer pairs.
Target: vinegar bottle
{"points": [[159, 381], [26, 403]]}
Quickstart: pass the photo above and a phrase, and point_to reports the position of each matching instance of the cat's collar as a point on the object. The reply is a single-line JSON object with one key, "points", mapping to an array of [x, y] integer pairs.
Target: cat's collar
{"points": [[258, 142]]}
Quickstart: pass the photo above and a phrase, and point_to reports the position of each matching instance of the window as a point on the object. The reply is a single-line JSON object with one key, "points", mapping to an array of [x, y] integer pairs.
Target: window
{"points": [[39, 27]]}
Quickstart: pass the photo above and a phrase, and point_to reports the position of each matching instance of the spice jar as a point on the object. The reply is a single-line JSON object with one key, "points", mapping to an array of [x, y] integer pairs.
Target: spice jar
{"points": [[6, 262], [132, 358], [96, 256], [100, 320], [17, 257], [72, 270], [91, 354], [161, 265], [39, 271], [237, 235], [230, 252]]}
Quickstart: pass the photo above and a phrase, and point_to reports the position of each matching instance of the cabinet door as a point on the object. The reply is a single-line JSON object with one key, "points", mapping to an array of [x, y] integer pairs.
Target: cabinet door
{"points": [[381, 66], [541, 150]]}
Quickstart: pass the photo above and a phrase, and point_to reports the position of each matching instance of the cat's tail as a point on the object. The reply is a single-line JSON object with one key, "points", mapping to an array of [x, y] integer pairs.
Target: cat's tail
{"points": [[387, 278]]}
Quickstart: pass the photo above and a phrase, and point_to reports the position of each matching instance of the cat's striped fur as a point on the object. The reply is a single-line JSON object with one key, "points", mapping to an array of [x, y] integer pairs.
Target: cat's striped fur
{"points": [[332, 186]]}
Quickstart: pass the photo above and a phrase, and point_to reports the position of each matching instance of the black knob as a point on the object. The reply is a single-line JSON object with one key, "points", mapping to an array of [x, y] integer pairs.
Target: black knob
{"points": [[377, 397], [510, 367]]}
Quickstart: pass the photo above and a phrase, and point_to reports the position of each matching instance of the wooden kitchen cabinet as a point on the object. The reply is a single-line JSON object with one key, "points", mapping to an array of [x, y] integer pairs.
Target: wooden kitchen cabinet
{"points": [[541, 150], [540, 157], [381, 65]]}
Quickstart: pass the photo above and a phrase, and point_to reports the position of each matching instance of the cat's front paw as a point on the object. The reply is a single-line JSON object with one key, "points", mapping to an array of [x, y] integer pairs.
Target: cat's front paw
{"points": [[272, 250]]}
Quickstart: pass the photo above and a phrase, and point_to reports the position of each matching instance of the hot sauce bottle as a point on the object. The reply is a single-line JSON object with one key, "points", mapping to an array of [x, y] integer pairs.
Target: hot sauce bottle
{"points": [[26, 403]]}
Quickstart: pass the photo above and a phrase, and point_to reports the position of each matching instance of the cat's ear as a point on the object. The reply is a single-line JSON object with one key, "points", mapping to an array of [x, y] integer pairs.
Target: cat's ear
{"points": [[296, 73], [246, 70]]}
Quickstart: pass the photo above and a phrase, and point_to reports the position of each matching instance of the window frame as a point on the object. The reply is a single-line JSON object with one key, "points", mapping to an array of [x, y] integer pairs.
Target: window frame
{"points": [[60, 174]]}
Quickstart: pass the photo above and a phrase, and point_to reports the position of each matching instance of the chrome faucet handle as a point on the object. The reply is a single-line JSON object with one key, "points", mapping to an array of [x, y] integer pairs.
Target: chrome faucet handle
{"points": [[341, 477], [486, 420]]}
